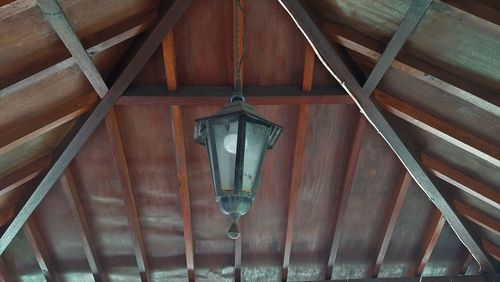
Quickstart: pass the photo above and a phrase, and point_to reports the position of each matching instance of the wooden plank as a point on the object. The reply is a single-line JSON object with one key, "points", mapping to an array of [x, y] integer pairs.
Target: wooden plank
{"points": [[454, 85], [128, 30], [448, 132], [485, 221], [462, 181], [30, 129], [21, 176], [410, 21], [9, 8], [115, 140], [55, 16], [346, 191], [394, 208], [76, 141], [492, 249], [307, 78], [168, 48], [477, 9], [70, 189], [40, 250], [431, 238], [333, 63]]}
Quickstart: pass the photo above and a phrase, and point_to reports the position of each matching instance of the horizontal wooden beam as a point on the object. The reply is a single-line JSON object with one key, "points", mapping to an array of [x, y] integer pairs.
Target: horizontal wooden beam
{"points": [[96, 44], [333, 62], [202, 96], [24, 174], [28, 130], [446, 131], [485, 221], [431, 238], [9, 8], [452, 84], [462, 181]]}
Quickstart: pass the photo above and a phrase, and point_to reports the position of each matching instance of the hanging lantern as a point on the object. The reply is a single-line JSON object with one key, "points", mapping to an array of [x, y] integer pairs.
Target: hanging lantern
{"points": [[236, 138]]}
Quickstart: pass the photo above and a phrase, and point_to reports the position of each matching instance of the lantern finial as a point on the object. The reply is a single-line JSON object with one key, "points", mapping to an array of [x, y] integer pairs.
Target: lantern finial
{"points": [[234, 231]]}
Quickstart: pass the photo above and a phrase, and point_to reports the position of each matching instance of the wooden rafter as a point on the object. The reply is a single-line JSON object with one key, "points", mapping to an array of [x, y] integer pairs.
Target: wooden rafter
{"points": [[117, 149], [446, 131], [180, 152], [333, 63], [298, 156], [21, 176], [462, 181], [450, 83], [410, 21], [347, 185], [485, 221], [144, 52], [70, 189], [401, 189], [126, 31], [26, 131], [40, 250], [431, 238]]}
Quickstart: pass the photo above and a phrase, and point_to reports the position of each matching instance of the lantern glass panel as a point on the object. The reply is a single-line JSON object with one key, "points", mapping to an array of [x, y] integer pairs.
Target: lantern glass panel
{"points": [[257, 136]]}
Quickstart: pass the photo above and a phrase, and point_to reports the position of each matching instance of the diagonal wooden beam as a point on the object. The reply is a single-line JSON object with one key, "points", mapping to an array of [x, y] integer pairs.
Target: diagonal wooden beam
{"points": [[485, 221], [462, 181], [410, 21], [441, 79], [337, 69], [180, 152], [402, 187], [430, 241], [55, 16], [298, 156], [40, 250], [117, 149], [456, 136], [346, 192], [128, 30], [23, 175], [26, 131], [70, 189], [150, 44]]}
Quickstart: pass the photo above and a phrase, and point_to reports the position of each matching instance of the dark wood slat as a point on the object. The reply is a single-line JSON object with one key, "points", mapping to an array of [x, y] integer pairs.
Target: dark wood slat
{"points": [[128, 30], [450, 83], [346, 192], [394, 209], [458, 137], [431, 238], [198, 96], [70, 189], [477, 9], [6, 274], [151, 43], [55, 16], [35, 127], [168, 48], [335, 66], [465, 183], [9, 8], [492, 249], [485, 221], [307, 78], [40, 250], [410, 21], [115, 140], [21, 176]]}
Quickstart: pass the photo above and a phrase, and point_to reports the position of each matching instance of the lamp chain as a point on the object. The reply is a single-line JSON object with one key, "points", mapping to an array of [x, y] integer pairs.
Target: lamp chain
{"points": [[238, 61]]}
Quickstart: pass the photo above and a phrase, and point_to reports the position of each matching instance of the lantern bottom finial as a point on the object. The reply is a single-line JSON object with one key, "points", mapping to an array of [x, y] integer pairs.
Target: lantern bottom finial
{"points": [[234, 231]]}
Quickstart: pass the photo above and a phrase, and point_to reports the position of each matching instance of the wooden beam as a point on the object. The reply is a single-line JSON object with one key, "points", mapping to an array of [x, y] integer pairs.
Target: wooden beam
{"points": [[337, 69], [394, 208], [431, 238], [477, 9], [492, 249], [348, 180], [127, 30], [456, 136], [410, 21], [30, 129], [23, 175], [117, 149], [450, 83], [267, 95], [9, 8], [40, 250], [151, 43], [70, 189], [168, 48], [462, 181], [485, 221], [55, 16], [298, 156]]}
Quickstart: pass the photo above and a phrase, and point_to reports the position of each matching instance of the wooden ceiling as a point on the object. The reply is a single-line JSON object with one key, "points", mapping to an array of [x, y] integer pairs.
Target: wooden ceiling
{"points": [[341, 197]]}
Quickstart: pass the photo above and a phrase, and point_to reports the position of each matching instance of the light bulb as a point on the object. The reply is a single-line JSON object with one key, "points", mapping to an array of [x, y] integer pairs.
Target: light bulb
{"points": [[231, 141]]}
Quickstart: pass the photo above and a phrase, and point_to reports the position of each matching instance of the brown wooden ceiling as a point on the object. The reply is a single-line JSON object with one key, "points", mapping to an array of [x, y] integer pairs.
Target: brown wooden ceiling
{"points": [[136, 201]]}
